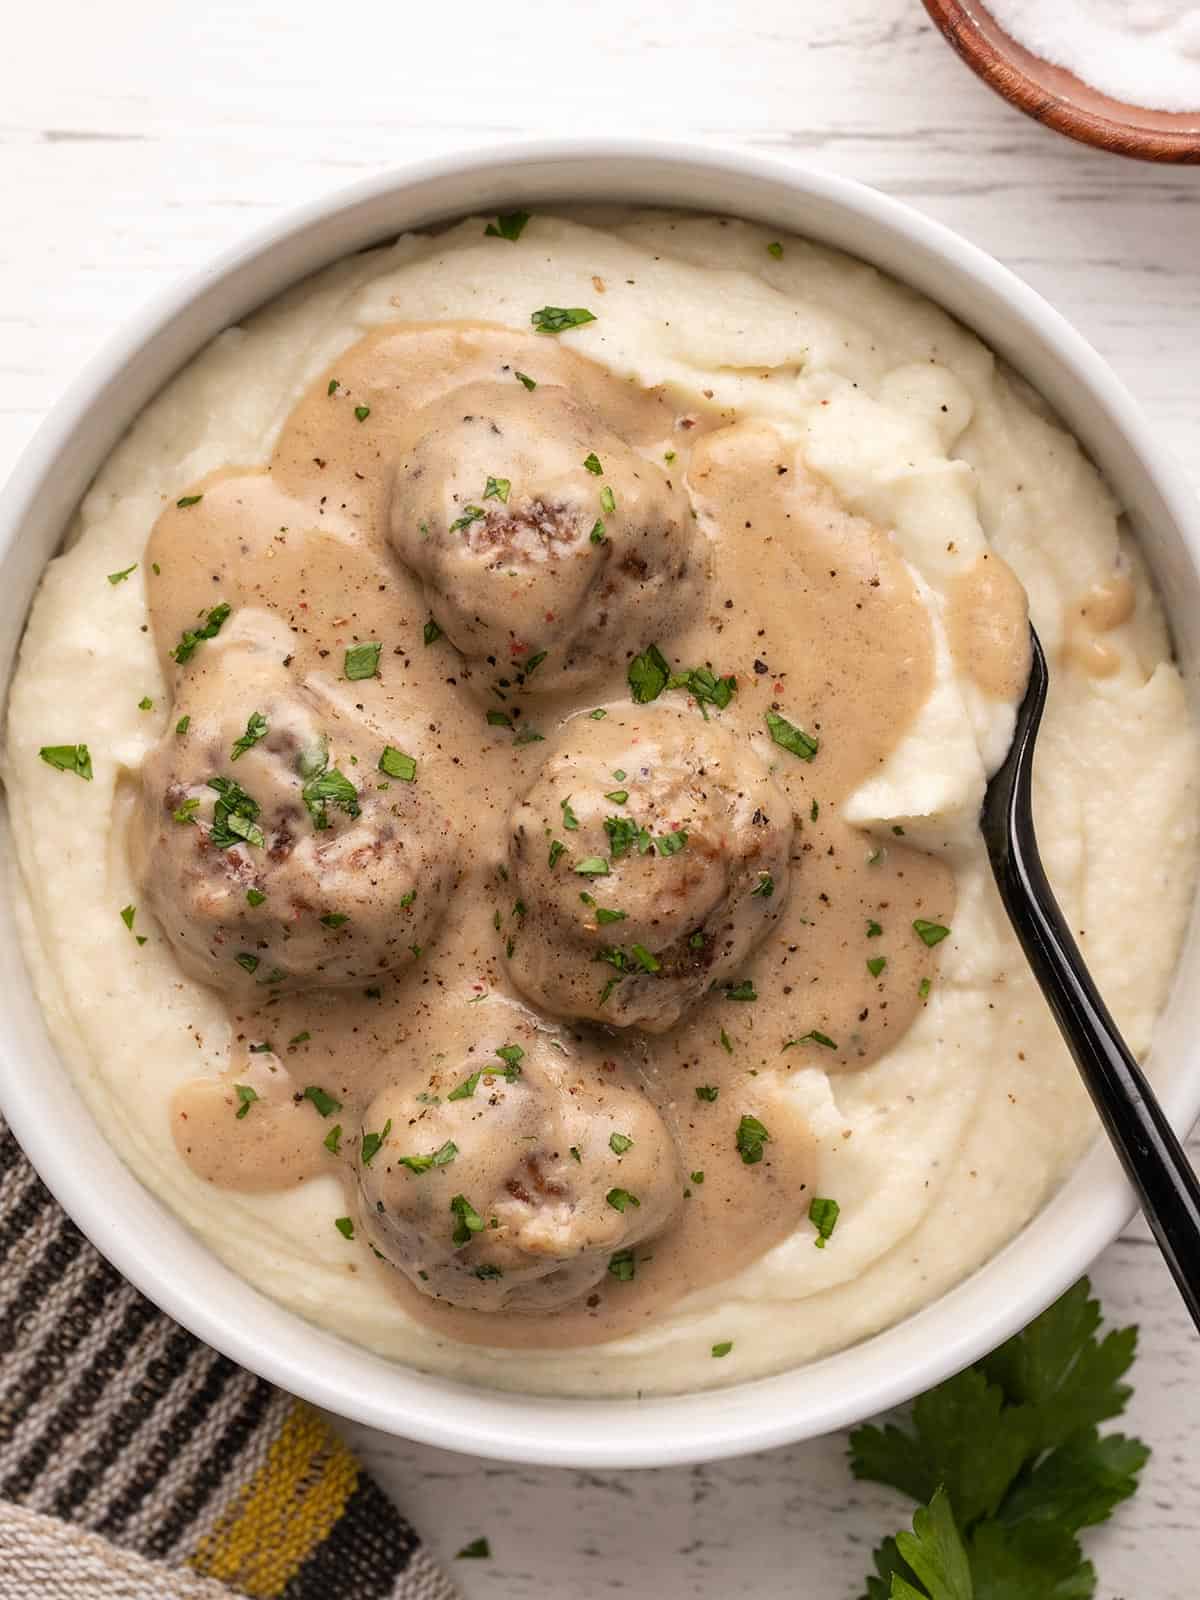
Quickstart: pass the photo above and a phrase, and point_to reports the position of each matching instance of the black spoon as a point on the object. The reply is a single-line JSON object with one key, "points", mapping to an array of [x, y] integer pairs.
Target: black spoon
{"points": [[1152, 1156]]}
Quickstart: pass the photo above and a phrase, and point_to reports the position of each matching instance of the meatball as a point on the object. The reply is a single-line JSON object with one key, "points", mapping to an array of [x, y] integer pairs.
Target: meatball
{"points": [[538, 533], [510, 1179], [651, 855], [278, 843]]}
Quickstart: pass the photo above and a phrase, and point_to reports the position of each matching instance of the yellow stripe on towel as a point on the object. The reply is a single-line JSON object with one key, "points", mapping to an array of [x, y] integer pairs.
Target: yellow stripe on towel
{"points": [[285, 1510]]}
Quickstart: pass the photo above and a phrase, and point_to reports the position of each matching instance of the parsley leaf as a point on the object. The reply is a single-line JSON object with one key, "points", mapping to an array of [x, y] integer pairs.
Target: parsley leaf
{"points": [[508, 225], [256, 728], [823, 1214], [119, 577], [325, 786], [556, 319], [396, 764], [751, 1136], [212, 626], [325, 1103], [1010, 1458], [930, 933], [705, 687], [235, 816], [934, 1552], [362, 660], [372, 1141], [789, 737], [648, 675], [468, 1222], [74, 758]]}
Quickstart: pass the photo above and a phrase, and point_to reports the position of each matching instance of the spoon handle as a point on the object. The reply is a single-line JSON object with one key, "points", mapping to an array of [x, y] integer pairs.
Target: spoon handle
{"points": [[1153, 1158]]}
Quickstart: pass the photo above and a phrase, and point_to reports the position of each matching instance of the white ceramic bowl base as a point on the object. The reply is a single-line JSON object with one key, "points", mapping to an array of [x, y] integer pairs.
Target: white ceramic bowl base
{"points": [[156, 1251]]}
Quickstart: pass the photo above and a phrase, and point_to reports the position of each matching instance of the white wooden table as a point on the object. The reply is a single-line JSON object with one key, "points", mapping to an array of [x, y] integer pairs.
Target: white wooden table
{"points": [[137, 137]]}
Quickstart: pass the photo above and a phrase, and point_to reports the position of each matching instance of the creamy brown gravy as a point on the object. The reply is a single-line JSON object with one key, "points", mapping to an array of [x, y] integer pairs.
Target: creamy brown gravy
{"points": [[812, 609], [1106, 605]]}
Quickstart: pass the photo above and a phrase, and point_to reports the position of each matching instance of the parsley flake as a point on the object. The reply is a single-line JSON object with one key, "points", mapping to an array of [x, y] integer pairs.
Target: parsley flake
{"points": [[557, 319], [246, 1098], [750, 1138], [74, 758], [256, 729], [823, 1214], [362, 660], [789, 737], [498, 489], [212, 626], [468, 1222], [648, 675], [396, 764], [372, 1141], [325, 1103], [119, 577], [508, 225], [930, 933], [620, 1199]]}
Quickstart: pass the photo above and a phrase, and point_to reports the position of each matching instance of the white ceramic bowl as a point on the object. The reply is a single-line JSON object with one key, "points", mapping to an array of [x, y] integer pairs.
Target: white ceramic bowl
{"points": [[155, 1250]]}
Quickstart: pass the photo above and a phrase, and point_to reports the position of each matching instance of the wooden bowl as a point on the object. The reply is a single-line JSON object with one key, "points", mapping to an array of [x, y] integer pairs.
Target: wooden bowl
{"points": [[1058, 98]]}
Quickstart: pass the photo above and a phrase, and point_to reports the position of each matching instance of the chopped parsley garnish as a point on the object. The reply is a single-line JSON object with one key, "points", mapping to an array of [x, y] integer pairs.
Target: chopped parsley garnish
{"points": [[397, 765], [486, 1270], [247, 961], [145, 703], [751, 1136], [789, 737], [333, 386], [764, 888], [362, 660], [557, 319], [644, 958], [592, 867], [469, 1221], [466, 1089], [592, 463], [182, 726], [696, 1177], [74, 758], [362, 412], [670, 844], [499, 719], [707, 1091], [254, 897], [622, 1265], [189, 500], [256, 729], [235, 816], [344, 1226], [923, 989], [648, 675], [498, 489], [523, 377], [477, 1550], [528, 735], [432, 631], [605, 915], [574, 1154], [325, 786], [814, 811], [617, 796], [608, 501], [619, 1199], [618, 1143], [335, 919], [741, 991], [127, 915], [874, 930], [775, 249], [597, 535], [211, 627], [598, 715], [812, 1037], [726, 1042], [186, 811], [372, 1141], [823, 1215], [705, 687], [534, 663], [470, 514], [876, 965], [119, 577], [623, 834], [333, 1139], [570, 820], [508, 225], [722, 1349], [441, 1157], [930, 933], [246, 1098], [511, 1055], [556, 849]]}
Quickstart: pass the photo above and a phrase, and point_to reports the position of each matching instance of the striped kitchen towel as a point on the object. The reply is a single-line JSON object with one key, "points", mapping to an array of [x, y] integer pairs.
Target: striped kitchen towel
{"points": [[136, 1462]]}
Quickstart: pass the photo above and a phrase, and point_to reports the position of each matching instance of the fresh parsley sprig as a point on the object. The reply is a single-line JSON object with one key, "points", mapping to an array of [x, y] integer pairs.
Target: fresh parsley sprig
{"points": [[1009, 1465]]}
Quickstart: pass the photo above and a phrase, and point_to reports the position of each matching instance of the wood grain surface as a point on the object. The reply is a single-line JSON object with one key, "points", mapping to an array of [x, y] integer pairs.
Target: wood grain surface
{"points": [[139, 136]]}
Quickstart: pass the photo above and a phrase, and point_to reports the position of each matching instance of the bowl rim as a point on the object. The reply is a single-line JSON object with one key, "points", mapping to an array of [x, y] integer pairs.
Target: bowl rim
{"points": [[280, 1345], [1003, 72]]}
